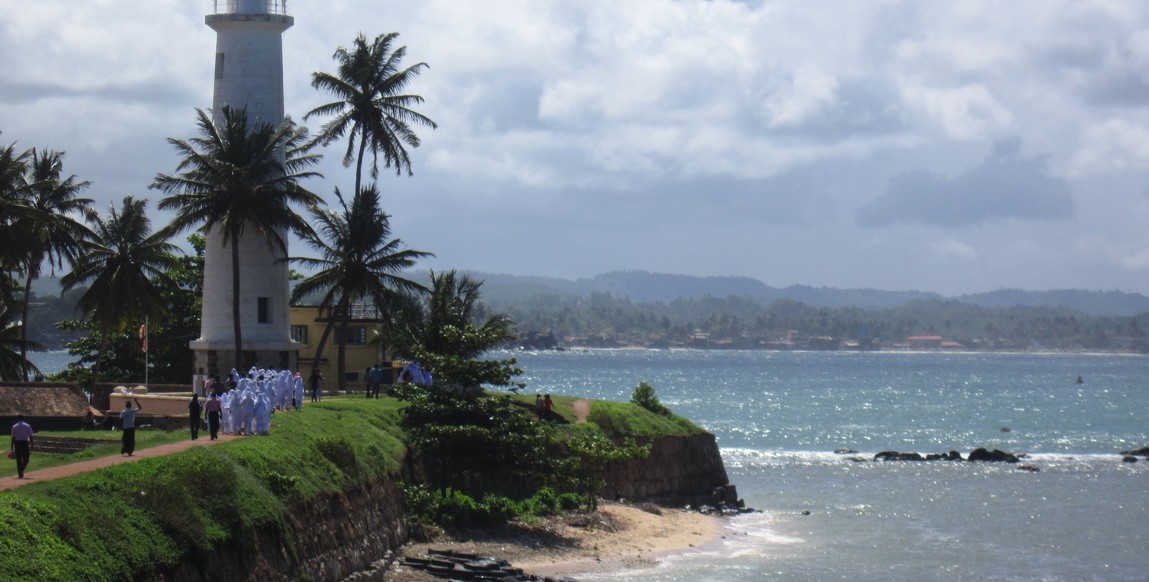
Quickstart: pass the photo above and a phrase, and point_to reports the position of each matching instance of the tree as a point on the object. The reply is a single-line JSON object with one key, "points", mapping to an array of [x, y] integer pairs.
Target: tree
{"points": [[359, 263], [123, 265], [442, 332], [13, 206], [169, 355], [371, 109], [237, 178], [14, 364], [55, 231]]}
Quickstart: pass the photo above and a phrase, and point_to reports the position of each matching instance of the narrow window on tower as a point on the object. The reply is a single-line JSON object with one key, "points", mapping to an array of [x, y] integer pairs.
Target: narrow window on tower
{"points": [[218, 65], [264, 312]]}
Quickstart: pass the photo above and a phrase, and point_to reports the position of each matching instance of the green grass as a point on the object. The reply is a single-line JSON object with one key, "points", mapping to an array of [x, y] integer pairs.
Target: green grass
{"points": [[124, 521], [622, 419], [145, 438]]}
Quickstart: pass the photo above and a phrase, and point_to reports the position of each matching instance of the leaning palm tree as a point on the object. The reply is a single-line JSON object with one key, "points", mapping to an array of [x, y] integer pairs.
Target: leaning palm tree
{"points": [[122, 265], [239, 178], [359, 263], [55, 231], [371, 109]]}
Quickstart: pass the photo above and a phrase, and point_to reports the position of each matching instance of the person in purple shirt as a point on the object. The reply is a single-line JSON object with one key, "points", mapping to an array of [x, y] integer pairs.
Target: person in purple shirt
{"points": [[213, 407], [21, 444]]}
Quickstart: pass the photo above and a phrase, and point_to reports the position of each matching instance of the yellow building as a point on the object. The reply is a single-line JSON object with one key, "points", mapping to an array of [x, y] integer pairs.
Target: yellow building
{"points": [[307, 325]]}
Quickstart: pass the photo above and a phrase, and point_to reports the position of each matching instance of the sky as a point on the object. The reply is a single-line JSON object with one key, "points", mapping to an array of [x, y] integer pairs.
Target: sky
{"points": [[954, 147]]}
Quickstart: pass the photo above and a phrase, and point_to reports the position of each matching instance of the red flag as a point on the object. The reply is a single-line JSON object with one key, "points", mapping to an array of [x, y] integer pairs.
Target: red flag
{"points": [[144, 337]]}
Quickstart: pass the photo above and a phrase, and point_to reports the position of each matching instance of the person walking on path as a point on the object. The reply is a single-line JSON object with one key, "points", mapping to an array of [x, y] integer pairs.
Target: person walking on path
{"points": [[21, 444], [128, 424], [213, 407], [194, 410]]}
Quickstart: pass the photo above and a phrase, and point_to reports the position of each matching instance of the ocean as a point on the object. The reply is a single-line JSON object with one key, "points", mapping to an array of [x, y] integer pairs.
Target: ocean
{"points": [[779, 417]]}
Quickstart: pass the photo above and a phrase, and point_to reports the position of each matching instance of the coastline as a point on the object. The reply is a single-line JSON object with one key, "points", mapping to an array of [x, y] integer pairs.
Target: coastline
{"points": [[617, 537]]}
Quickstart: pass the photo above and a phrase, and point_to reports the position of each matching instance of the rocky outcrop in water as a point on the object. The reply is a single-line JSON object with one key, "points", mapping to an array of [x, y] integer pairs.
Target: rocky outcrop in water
{"points": [[979, 454]]}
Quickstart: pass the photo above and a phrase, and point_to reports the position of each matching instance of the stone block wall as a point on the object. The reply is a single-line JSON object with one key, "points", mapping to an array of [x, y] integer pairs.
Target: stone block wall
{"points": [[679, 471]]}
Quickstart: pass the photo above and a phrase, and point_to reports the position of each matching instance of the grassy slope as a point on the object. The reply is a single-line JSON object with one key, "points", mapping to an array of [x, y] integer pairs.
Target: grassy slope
{"points": [[118, 522], [115, 523]]}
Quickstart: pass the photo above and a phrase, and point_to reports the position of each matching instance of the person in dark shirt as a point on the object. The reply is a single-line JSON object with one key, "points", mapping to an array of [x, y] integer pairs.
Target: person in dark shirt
{"points": [[194, 410]]}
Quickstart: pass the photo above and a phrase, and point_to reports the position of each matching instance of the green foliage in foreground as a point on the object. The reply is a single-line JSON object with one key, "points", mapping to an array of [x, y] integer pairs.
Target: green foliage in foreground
{"points": [[457, 509], [125, 521]]}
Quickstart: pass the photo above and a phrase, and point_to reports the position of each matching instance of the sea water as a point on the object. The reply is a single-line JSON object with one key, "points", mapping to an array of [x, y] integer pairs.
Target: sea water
{"points": [[779, 417]]}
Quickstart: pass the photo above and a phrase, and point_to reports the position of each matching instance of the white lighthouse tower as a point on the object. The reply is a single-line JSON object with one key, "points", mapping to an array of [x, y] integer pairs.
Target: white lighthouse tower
{"points": [[248, 73]]}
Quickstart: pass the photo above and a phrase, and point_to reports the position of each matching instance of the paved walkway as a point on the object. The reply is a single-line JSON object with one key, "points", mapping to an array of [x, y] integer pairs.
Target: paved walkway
{"points": [[84, 466]]}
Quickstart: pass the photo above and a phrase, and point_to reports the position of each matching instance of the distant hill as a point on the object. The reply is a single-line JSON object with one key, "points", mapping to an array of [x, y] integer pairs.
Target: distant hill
{"points": [[646, 287]]}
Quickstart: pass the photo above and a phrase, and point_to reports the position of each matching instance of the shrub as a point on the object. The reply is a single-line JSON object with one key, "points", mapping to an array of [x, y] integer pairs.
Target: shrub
{"points": [[644, 396]]}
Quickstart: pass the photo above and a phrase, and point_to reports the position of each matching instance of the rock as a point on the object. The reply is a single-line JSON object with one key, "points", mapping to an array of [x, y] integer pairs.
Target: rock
{"points": [[981, 454], [844, 451], [1129, 459], [896, 456], [1005, 429], [1141, 452], [1030, 468], [950, 456]]}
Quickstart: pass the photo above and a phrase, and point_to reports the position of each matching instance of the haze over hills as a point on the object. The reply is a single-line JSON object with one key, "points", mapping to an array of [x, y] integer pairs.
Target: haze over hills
{"points": [[646, 287]]}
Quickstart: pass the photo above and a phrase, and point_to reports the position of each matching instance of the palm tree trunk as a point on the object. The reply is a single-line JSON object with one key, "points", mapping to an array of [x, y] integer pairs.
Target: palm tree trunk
{"points": [[344, 318], [322, 342], [235, 321], [359, 163], [24, 326], [331, 319]]}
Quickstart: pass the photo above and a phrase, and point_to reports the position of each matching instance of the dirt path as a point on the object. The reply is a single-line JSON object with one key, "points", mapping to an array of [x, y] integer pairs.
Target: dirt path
{"points": [[581, 408], [84, 466]]}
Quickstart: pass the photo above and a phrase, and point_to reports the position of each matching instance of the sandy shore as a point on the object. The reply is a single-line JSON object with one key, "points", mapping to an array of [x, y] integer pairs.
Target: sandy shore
{"points": [[614, 538]]}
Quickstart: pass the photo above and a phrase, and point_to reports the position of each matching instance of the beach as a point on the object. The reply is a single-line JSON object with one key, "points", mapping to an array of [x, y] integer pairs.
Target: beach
{"points": [[616, 537]]}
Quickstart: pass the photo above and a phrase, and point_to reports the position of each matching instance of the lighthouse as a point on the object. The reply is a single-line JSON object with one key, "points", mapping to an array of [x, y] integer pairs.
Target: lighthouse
{"points": [[248, 73]]}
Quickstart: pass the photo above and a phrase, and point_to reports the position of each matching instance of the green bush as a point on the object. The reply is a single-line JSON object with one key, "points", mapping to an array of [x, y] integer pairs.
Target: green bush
{"points": [[644, 396]]}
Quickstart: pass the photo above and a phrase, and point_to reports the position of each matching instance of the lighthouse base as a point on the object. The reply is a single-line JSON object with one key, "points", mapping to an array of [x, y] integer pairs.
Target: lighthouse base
{"points": [[218, 358]]}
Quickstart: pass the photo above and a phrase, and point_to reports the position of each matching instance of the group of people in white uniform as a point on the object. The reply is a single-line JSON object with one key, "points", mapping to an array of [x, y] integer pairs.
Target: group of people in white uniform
{"points": [[246, 409]]}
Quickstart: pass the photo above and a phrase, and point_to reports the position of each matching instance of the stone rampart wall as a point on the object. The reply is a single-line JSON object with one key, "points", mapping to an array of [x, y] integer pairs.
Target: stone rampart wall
{"points": [[679, 471]]}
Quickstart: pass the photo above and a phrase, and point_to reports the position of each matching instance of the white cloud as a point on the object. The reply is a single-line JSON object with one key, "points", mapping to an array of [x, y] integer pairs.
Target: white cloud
{"points": [[1111, 145]]}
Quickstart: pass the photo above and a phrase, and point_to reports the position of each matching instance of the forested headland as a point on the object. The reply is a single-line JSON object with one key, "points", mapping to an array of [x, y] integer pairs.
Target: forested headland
{"points": [[551, 313], [554, 313]]}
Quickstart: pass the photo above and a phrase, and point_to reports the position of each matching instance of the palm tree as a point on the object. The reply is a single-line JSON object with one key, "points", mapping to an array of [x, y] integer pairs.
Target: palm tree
{"points": [[55, 233], [14, 364], [122, 265], [453, 303], [13, 206], [371, 108], [238, 178], [448, 332], [359, 263]]}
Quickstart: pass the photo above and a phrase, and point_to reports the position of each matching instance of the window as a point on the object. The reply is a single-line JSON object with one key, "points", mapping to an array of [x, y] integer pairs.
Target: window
{"points": [[356, 335], [218, 65], [264, 311], [299, 333]]}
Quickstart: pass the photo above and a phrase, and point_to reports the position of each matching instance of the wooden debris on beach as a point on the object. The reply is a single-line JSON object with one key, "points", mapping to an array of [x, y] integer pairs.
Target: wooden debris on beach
{"points": [[455, 565]]}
